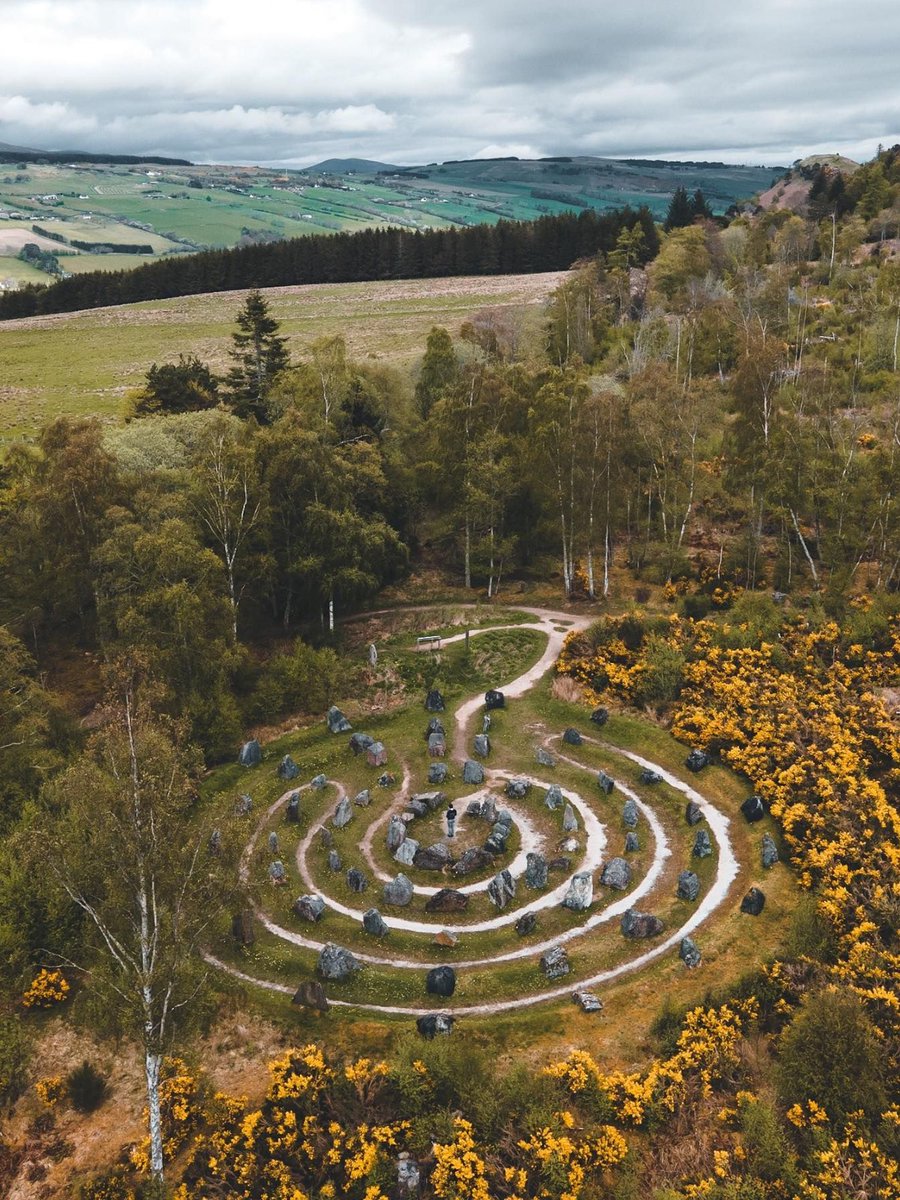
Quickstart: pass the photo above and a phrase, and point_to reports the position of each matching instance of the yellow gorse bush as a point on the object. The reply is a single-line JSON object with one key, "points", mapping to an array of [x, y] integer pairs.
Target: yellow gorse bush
{"points": [[47, 989]]}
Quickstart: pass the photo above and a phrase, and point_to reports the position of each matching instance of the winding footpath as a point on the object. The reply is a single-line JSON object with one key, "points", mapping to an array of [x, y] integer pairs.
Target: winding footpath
{"points": [[556, 626]]}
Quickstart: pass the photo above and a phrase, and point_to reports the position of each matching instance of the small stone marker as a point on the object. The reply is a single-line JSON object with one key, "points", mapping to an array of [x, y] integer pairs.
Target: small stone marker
{"points": [[251, 754], [555, 963], [311, 994]]}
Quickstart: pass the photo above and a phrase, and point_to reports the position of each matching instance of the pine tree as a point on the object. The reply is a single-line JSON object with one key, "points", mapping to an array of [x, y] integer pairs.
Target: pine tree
{"points": [[259, 356], [681, 211], [699, 206]]}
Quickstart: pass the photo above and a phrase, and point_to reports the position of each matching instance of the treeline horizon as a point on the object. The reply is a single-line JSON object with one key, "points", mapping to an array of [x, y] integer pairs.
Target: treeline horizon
{"points": [[551, 243]]}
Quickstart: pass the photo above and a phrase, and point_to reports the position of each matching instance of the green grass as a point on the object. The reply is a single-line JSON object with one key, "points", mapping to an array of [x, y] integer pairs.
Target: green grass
{"points": [[85, 362]]}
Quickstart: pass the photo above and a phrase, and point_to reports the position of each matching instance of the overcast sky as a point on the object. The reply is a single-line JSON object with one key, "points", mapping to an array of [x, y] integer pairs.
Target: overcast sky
{"points": [[410, 81]]}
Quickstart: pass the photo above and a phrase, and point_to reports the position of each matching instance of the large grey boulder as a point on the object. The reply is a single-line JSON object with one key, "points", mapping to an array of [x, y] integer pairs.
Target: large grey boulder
{"points": [[438, 772], [526, 924], [693, 813], [288, 769], [311, 994], [637, 925], [334, 860], [494, 699], [605, 782], [689, 952], [277, 873], [501, 889], [406, 852], [433, 800], [437, 745], [310, 908], [250, 754], [616, 874], [754, 902], [432, 858], [471, 860], [486, 723], [356, 881], [434, 1024], [650, 777], [343, 814], [544, 758], [360, 742], [319, 782], [554, 798], [396, 833], [374, 923], [580, 893], [518, 789], [630, 814], [688, 886], [398, 892], [363, 799], [418, 807], [632, 842], [435, 725], [489, 809], [570, 821], [600, 716], [337, 963], [292, 811], [337, 722], [473, 772], [447, 900], [697, 760], [572, 737], [588, 1002], [702, 845], [482, 745], [535, 870], [769, 851], [555, 963], [440, 981], [754, 808]]}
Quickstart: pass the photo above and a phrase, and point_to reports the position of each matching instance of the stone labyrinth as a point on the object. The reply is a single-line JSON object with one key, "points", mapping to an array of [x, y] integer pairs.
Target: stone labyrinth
{"points": [[589, 864]]}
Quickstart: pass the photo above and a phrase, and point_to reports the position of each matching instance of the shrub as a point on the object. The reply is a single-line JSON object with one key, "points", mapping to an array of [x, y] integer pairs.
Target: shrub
{"points": [[47, 989], [87, 1088]]}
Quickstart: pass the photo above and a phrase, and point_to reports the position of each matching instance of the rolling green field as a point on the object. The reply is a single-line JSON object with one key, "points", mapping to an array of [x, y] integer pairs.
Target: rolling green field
{"points": [[85, 362]]}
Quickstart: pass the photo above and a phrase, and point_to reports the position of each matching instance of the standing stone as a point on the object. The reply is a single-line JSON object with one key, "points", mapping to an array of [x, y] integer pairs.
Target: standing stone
{"points": [[616, 874], [630, 814], [251, 754], [769, 851], [555, 963], [754, 902], [689, 952], [518, 789], [754, 808], [544, 758], [214, 842], [356, 881], [360, 742], [588, 1002], [435, 725], [535, 870], [407, 1168], [486, 723], [438, 772], [702, 845], [526, 924], [372, 655], [489, 810], [418, 807], [434, 800], [570, 821], [337, 963], [244, 806], [688, 886], [434, 701], [494, 699], [311, 994], [337, 722], [572, 737], [437, 745], [693, 813], [434, 1023], [473, 772], [334, 860], [376, 755], [447, 900], [440, 981], [273, 843], [474, 859], [600, 716], [482, 745], [580, 893], [636, 925], [343, 814], [326, 837], [406, 852], [605, 782], [288, 769], [374, 923], [292, 811], [445, 939], [501, 889], [650, 777], [242, 927], [363, 799], [399, 892], [320, 782], [432, 858], [554, 798], [277, 873], [396, 833], [697, 760], [632, 844], [310, 908]]}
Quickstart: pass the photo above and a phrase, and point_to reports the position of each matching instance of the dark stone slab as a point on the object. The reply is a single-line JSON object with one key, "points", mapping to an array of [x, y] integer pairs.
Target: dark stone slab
{"points": [[447, 900], [337, 963], [356, 881], [250, 754], [616, 874], [600, 716], [288, 769], [770, 854], [693, 813], [311, 994], [434, 701], [517, 789], [438, 772], [702, 845], [474, 859], [494, 699], [689, 952], [526, 924], [440, 981], [337, 722], [434, 1024], [637, 925], [360, 742], [697, 760], [632, 843], [572, 737], [688, 886], [630, 814], [309, 908], [605, 782], [555, 963], [374, 923], [754, 808], [473, 772], [650, 777], [754, 902]]}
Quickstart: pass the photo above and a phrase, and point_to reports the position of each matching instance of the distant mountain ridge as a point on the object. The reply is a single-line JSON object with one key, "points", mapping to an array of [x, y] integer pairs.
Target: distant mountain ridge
{"points": [[16, 154]]}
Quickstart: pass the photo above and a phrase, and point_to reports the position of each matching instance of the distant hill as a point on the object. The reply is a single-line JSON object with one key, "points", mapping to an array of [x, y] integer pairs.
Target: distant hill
{"points": [[17, 154], [344, 166]]}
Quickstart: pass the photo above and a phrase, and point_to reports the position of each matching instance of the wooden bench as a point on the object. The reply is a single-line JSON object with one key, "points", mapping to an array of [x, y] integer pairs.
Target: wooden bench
{"points": [[430, 641]]}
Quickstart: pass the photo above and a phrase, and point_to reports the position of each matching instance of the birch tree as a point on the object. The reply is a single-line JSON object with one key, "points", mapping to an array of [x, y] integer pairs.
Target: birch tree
{"points": [[124, 850]]}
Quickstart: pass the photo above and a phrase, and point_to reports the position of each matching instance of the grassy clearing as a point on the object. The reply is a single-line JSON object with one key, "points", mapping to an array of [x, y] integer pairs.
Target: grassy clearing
{"points": [[85, 362]]}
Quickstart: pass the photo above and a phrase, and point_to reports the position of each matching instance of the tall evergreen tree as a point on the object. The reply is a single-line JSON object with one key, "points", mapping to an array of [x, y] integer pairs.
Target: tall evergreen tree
{"points": [[681, 211], [259, 355]]}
